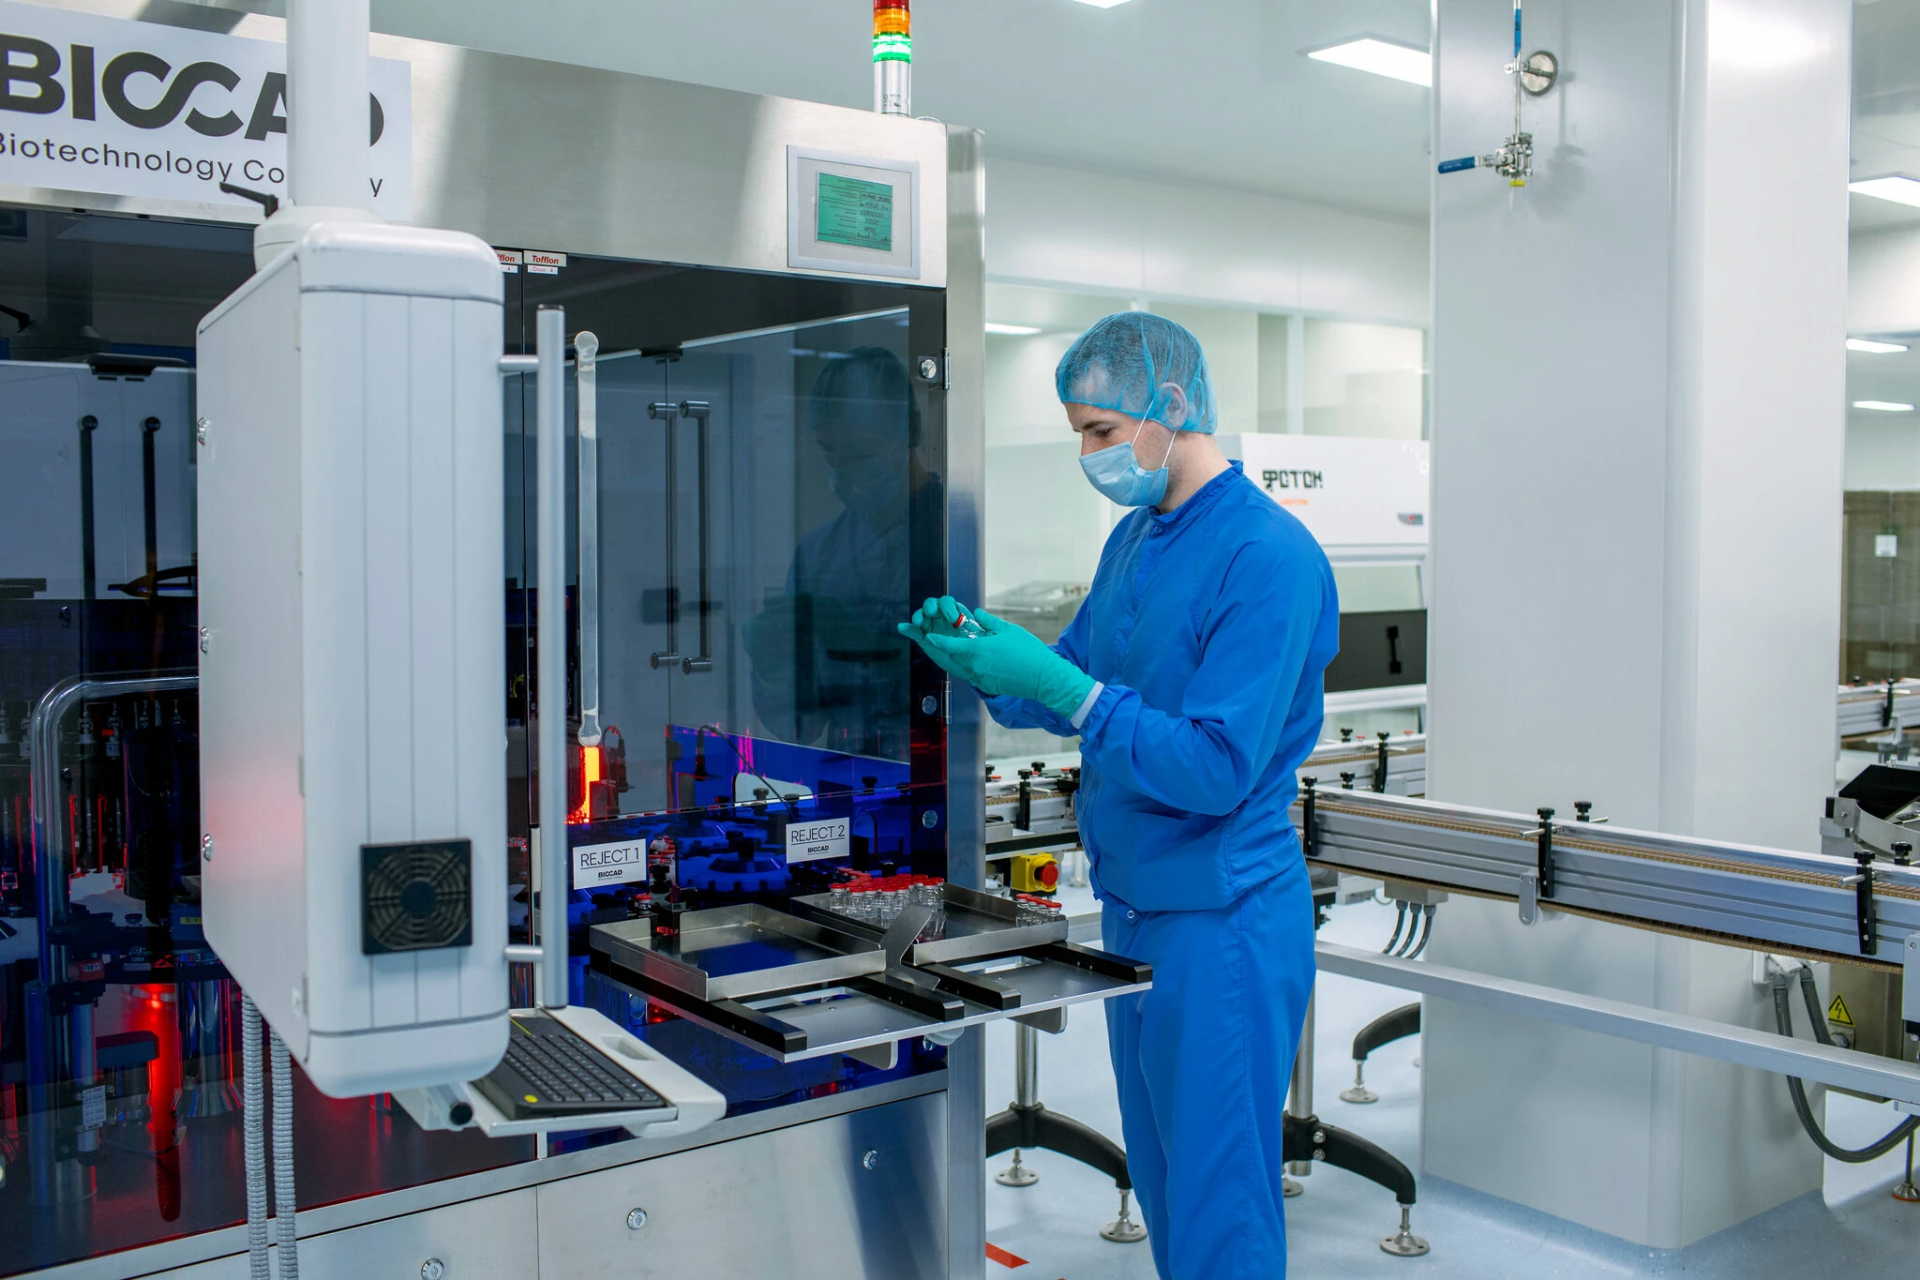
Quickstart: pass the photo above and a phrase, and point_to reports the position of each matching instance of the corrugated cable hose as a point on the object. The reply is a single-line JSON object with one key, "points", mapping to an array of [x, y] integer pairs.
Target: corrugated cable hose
{"points": [[1783, 1014]]}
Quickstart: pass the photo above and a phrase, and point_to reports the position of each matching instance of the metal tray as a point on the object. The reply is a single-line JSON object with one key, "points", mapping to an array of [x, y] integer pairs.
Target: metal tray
{"points": [[978, 924], [867, 1016], [730, 953]]}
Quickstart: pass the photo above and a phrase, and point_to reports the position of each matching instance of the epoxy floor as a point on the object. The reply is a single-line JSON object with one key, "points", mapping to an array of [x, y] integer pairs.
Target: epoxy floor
{"points": [[1855, 1229]]}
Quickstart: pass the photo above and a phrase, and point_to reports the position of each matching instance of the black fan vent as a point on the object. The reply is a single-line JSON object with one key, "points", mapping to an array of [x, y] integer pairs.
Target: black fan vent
{"points": [[416, 896]]}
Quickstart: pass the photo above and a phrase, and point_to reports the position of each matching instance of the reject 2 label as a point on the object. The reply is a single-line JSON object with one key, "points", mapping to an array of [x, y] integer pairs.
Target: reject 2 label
{"points": [[822, 838]]}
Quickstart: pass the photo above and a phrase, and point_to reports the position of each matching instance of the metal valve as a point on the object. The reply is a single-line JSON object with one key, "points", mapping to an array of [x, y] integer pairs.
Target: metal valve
{"points": [[1533, 76]]}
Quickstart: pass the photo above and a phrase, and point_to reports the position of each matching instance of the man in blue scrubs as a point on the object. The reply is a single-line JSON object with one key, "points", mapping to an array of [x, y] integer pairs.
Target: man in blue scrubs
{"points": [[1192, 675]]}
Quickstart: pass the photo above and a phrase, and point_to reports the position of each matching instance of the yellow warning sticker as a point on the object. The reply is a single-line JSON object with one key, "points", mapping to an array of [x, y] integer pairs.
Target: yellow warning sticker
{"points": [[1837, 1013]]}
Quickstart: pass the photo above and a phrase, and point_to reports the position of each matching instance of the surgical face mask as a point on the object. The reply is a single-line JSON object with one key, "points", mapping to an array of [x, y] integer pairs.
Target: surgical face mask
{"points": [[1116, 473], [870, 485]]}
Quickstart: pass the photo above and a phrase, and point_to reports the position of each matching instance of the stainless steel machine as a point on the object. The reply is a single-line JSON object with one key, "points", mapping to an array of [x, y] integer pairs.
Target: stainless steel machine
{"points": [[773, 822]]}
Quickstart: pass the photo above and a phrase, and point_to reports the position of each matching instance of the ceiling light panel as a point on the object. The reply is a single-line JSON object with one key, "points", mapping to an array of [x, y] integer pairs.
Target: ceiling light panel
{"points": [[1883, 406], [1103, 4], [1013, 330], [1382, 58], [1871, 347], [1896, 187]]}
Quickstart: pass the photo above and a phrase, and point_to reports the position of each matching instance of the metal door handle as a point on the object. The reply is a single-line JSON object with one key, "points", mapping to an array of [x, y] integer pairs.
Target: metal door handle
{"points": [[669, 414], [701, 411]]}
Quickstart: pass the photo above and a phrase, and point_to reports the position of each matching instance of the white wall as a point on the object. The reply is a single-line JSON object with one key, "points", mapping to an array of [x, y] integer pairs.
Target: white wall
{"points": [[1177, 241], [1658, 447]]}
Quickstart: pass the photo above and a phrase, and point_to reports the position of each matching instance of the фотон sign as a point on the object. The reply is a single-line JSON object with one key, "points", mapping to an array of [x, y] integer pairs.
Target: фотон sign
{"points": [[138, 109]]}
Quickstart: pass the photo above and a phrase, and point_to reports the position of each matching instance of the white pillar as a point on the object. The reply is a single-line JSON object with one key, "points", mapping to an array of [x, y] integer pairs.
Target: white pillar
{"points": [[1638, 438], [329, 124], [327, 113]]}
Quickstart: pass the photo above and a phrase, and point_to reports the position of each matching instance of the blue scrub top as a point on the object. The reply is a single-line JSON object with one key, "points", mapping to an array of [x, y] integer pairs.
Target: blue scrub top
{"points": [[1209, 628]]}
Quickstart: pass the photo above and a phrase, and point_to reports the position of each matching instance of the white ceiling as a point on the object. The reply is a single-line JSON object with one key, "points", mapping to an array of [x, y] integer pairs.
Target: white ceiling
{"points": [[1212, 91]]}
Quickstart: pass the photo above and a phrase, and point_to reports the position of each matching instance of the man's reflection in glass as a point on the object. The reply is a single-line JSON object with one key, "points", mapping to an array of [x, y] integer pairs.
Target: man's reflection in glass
{"points": [[827, 670]]}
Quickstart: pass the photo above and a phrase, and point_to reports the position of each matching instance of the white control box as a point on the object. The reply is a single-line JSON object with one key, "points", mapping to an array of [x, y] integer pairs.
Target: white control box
{"points": [[353, 668]]}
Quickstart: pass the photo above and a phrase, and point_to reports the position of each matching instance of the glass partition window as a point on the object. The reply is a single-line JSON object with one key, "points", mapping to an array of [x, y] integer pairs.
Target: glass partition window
{"points": [[1880, 565]]}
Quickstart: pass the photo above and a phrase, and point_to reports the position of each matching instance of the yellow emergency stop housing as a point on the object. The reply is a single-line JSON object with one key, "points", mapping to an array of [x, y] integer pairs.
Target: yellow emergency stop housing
{"points": [[1034, 873]]}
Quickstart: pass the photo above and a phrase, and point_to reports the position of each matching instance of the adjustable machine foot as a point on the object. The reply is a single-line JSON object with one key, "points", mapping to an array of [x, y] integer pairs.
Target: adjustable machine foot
{"points": [[1403, 1243], [1359, 1094], [1289, 1188], [1124, 1230], [1016, 1174]]}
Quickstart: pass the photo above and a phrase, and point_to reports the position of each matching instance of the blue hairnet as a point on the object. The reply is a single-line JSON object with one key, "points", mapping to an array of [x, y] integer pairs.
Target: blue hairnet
{"points": [[1125, 363]]}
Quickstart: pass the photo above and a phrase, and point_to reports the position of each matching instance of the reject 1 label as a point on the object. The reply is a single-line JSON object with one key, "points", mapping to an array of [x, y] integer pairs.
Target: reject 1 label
{"points": [[624, 862], [824, 838]]}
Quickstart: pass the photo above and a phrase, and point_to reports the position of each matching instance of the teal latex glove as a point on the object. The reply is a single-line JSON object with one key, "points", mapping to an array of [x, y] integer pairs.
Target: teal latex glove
{"points": [[942, 617], [1009, 659]]}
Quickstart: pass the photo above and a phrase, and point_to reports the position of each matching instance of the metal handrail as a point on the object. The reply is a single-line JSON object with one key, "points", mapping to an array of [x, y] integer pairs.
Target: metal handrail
{"points": [[53, 868]]}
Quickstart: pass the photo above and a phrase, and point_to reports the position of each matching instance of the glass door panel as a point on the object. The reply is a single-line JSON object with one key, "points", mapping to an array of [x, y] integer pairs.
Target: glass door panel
{"points": [[809, 482], [769, 506]]}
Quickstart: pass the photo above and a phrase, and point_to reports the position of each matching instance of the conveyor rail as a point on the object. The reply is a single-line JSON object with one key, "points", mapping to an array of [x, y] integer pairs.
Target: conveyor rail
{"points": [[1766, 899]]}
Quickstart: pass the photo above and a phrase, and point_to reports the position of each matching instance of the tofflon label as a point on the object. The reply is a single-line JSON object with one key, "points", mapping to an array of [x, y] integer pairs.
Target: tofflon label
{"points": [[541, 262], [509, 260], [823, 838], [622, 862]]}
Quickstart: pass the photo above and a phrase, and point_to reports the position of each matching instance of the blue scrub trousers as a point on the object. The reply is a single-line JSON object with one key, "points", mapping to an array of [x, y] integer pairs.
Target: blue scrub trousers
{"points": [[1203, 1061]]}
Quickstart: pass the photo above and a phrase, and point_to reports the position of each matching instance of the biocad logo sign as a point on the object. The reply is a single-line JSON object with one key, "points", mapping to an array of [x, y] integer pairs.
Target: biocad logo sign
{"points": [[138, 109]]}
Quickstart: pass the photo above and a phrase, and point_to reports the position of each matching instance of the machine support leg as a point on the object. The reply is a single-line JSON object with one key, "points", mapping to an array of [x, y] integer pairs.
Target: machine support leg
{"points": [[1385, 1029], [1300, 1096], [1308, 1141], [1906, 1191], [1026, 1095], [1028, 1125]]}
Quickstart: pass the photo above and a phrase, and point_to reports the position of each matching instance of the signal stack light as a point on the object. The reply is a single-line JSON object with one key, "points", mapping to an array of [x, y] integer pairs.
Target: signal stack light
{"points": [[892, 58]]}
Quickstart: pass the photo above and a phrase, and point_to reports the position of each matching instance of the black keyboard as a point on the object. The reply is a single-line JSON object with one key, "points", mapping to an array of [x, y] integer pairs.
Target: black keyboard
{"points": [[550, 1071]]}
